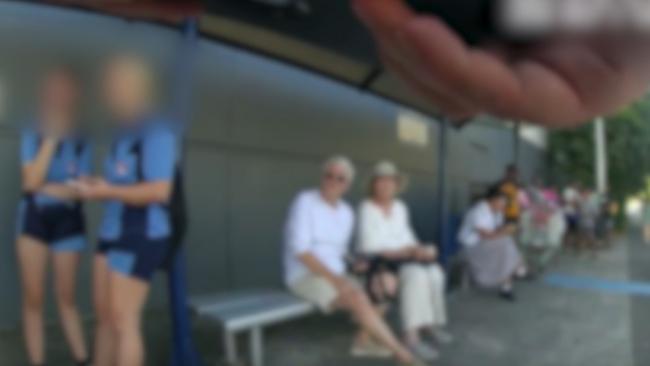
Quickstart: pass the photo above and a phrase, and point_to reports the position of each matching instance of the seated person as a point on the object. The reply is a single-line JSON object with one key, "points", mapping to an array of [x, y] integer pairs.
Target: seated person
{"points": [[491, 251], [399, 261], [317, 236]]}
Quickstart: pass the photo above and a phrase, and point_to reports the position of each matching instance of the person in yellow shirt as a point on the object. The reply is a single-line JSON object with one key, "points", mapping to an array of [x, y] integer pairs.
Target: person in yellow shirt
{"points": [[510, 188]]}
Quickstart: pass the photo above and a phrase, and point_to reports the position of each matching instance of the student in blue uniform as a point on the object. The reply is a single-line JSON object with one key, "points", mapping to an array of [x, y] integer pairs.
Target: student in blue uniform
{"points": [[136, 228], [51, 220]]}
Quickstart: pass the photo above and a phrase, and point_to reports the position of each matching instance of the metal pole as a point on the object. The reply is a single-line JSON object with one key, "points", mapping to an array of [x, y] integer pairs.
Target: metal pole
{"points": [[443, 214], [517, 143], [600, 151], [183, 349], [183, 74]]}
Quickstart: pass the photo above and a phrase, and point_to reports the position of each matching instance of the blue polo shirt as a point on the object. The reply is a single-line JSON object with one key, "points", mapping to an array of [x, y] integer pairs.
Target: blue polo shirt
{"points": [[72, 159], [146, 153]]}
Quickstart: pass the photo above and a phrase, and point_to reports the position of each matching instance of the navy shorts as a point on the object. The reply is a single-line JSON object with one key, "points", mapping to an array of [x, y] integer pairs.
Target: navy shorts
{"points": [[572, 222], [135, 256], [61, 227]]}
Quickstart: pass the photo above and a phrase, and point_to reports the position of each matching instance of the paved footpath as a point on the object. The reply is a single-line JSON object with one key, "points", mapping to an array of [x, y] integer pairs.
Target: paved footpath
{"points": [[585, 317], [548, 326]]}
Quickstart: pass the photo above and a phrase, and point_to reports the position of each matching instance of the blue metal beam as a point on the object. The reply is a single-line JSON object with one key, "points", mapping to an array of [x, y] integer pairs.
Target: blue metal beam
{"points": [[443, 205], [183, 74], [183, 350]]}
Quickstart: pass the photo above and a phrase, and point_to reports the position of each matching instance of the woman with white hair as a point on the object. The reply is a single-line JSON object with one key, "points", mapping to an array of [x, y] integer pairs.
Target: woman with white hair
{"points": [[317, 237], [401, 263]]}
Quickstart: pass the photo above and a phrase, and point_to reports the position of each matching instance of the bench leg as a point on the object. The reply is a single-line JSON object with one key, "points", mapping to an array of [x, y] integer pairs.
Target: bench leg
{"points": [[257, 347], [465, 281], [230, 347]]}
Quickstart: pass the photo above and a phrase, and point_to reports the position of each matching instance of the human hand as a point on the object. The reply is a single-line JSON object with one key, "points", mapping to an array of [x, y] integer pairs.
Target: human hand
{"points": [[360, 266], [92, 188], [427, 253], [557, 83]]}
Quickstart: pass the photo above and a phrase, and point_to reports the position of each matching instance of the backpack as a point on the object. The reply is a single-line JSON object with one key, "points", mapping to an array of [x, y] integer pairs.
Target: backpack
{"points": [[176, 207]]}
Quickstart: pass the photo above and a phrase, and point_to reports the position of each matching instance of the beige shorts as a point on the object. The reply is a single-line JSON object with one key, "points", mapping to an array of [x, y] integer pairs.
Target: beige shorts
{"points": [[318, 291]]}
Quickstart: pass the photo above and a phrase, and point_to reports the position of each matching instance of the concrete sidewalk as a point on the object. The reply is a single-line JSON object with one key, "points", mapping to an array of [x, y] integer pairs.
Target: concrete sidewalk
{"points": [[547, 327]]}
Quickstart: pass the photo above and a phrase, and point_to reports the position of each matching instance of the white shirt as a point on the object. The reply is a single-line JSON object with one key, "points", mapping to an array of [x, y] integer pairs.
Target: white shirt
{"points": [[480, 217], [570, 197], [378, 232], [317, 227]]}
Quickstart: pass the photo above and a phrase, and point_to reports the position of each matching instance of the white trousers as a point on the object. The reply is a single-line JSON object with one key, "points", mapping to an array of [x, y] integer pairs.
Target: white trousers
{"points": [[422, 296]]}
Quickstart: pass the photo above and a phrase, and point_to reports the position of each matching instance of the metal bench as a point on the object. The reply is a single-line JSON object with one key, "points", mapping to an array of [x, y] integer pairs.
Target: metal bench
{"points": [[250, 311]]}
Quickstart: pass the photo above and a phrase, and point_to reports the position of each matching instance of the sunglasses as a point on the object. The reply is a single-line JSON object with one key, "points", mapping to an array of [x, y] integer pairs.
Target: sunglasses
{"points": [[338, 178]]}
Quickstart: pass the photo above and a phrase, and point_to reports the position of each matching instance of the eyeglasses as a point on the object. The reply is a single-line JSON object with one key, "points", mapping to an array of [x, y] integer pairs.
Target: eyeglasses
{"points": [[338, 178]]}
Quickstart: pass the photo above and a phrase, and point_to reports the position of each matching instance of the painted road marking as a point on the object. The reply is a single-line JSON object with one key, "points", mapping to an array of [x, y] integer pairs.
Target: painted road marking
{"points": [[598, 284]]}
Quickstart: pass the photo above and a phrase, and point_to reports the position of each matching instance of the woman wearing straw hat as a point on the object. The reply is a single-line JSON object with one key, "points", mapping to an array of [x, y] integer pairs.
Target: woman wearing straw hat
{"points": [[400, 263]]}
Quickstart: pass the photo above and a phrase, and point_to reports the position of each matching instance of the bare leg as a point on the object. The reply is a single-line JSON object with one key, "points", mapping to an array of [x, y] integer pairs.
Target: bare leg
{"points": [[363, 337], [128, 296], [370, 321], [32, 258], [65, 271], [104, 337], [412, 336], [385, 286]]}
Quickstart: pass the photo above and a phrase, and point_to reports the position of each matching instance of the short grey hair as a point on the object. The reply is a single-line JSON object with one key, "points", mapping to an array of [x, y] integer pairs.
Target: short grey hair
{"points": [[343, 162]]}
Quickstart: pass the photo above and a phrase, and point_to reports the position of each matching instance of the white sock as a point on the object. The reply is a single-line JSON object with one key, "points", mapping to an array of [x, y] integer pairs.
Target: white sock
{"points": [[521, 271], [507, 287]]}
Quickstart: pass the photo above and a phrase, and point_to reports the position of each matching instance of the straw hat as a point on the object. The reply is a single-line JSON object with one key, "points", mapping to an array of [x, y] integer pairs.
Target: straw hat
{"points": [[385, 169]]}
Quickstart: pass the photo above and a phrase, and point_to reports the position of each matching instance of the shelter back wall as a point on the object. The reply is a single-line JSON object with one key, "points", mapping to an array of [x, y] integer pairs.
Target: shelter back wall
{"points": [[260, 130]]}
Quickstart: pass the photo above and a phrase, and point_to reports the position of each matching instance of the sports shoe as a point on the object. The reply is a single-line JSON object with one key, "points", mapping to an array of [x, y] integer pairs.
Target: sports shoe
{"points": [[414, 363], [424, 352], [442, 336], [507, 295], [370, 350]]}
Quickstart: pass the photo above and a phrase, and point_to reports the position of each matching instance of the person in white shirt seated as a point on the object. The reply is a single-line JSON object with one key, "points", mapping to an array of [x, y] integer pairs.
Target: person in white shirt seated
{"points": [[317, 237], [400, 263], [490, 248]]}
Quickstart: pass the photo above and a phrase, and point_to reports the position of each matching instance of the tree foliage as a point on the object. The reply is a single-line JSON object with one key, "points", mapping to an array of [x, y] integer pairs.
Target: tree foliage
{"points": [[571, 153]]}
